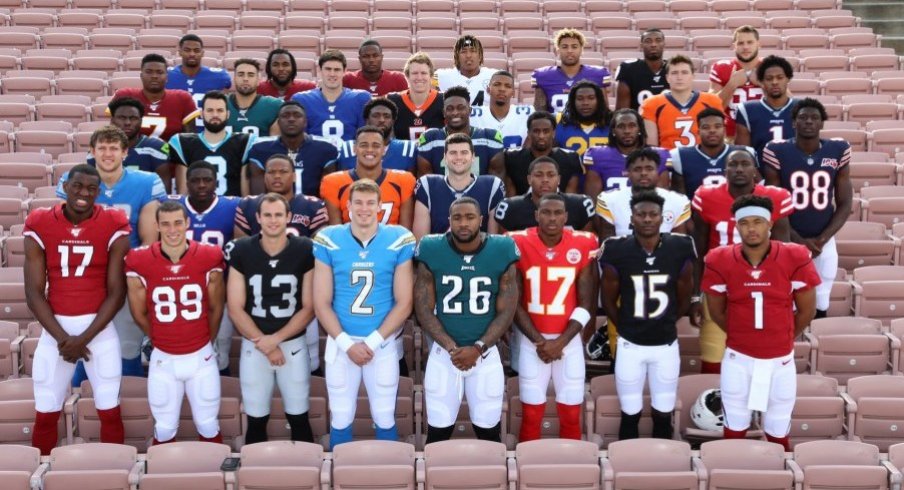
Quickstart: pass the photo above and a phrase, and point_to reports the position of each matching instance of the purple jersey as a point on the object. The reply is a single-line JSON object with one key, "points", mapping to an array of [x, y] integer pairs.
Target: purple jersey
{"points": [[556, 84], [609, 163]]}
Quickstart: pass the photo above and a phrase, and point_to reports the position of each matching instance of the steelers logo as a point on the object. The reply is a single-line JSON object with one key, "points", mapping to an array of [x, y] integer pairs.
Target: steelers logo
{"points": [[668, 217], [573, 256]]}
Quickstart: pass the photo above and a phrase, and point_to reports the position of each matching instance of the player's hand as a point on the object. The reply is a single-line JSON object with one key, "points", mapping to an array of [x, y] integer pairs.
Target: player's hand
{"points": [[738, 78], [695, 314], [73, 348], [266, 344], [464, 358], [813, 245], [360, 353], [587, 332], [276, 357], [550, 350]]}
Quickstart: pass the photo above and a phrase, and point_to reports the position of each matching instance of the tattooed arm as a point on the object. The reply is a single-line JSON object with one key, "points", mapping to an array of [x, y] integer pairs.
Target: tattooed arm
{"points": [[506, 304], [424, 305]]}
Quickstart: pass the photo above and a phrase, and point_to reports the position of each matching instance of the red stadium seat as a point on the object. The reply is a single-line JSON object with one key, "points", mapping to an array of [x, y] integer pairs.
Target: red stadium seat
{"points": [[281, 464], [843, 348], [548, 463], [385, 464], [873, 413], [839, 464], [819, 410], [651, 463], [95, 465], [185, 464]]}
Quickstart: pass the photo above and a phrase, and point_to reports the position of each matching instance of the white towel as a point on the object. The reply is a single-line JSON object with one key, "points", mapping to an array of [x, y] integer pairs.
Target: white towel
{"points": [[760, 381]]}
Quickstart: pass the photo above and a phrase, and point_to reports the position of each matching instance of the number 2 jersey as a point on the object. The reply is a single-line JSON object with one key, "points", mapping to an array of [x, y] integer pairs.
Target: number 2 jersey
{"points": [[272, 282], [76, 255], [811, 180], [759, 310], [466, 284], [363, 273], [550, 290], [713, 204], [177, 298], [648, 306]]}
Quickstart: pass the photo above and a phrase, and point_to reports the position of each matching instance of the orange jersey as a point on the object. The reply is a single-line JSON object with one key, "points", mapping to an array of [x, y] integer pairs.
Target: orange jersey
{"points": [[396, 188], [677, 123], [551, 275]]}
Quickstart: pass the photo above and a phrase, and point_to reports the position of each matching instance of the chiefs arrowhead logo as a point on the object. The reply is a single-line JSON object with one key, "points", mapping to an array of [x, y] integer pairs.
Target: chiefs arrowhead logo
{"points": [[175, 268], [75, 232], [756, 274]]}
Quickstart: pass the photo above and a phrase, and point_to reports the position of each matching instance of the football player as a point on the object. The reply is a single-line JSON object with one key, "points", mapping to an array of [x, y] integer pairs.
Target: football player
{"points": [[372, 77], [761, 293], [249, 111], [271, 304], [192, 76], [74, 285], [145, 152], [363, 280], [400, 154], [553, 83], [177, 295], [469, 72], [584, 123], [642, 78], [499, 114], [474, 274], [769, 118], [421, 106], [735, 81], [281, 71]]}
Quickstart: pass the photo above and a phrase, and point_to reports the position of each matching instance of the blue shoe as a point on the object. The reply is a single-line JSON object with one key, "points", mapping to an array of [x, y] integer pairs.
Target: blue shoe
{"points": [[340, 436], [390, 434]]}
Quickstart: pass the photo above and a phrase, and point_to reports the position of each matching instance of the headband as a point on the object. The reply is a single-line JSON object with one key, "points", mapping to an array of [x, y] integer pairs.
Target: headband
{"points": [[748, 211]]}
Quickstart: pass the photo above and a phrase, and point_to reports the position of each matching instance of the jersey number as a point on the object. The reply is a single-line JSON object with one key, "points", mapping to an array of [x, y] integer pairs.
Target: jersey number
{"points": [[478, 300], [722, 228], [84, 250], [156, 125], [213, 237], [563, 275], [290, 296], [220, 163], [366, 278], [648, 286], [757, 309], [333, 130], [167, 305], [778, 133], [810, 190], [687, 136]]}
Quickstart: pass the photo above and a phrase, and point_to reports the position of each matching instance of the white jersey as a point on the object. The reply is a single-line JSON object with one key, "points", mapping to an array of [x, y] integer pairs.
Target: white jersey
{"points": [[447, 78], [513, 126], [615, 207]]}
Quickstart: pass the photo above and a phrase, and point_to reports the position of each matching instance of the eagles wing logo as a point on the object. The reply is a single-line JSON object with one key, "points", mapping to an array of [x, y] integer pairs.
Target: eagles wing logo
{"points": [[756, 274]]}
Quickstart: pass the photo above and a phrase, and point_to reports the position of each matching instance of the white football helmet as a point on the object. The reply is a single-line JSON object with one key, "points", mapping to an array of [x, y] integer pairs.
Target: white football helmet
{"points": [[707, 411]]}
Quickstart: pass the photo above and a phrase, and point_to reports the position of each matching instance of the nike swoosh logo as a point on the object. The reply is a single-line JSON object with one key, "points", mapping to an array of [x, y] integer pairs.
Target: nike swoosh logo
{"points": [[786, 362], [296, 352], [208, 358]]}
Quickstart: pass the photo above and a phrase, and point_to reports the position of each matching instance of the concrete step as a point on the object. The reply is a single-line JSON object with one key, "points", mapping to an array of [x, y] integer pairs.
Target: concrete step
{"points": [[883, 17]]}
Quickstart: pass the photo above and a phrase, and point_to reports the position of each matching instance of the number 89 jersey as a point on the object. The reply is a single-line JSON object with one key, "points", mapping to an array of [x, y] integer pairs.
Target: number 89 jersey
{"points": [[648, 285], [272, 283], [177, 299], [811, 180]]}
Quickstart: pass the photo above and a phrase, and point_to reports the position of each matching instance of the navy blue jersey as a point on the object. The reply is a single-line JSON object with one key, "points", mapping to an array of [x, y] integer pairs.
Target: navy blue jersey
{"points": [[215, 224], [698, 168], [148, 154], [487, 143], [400, 155], [308, 215], [810, 179], [435, 192], [765, 123], [334, 121], [311, 157]]}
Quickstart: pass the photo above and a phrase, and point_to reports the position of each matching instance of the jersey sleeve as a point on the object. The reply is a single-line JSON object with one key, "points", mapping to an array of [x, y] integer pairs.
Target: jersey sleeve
{"points": [[845, 156], [781, 203], [608, 255], [423, 251], [675, 161], [603, 209], [134, 264], [720, 73], [697, 203], [497, 194], [648, 108], [714, 281], [319, 217], [403, 246], [769, 157], [176, 155], [422, 191], [804, 275], [307, 255], [501, 212], [158, 191], [214, 257], [33, 226], [233, 254], [324, 247], [256, 154], [587, 204], [329, 189], [407, 183], [121, 226], [741, 116], [682, 209], [241, 221], [606, 77]]}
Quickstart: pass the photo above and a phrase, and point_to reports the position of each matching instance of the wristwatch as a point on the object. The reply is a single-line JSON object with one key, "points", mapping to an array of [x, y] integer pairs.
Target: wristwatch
{"points": [[481, 347]]}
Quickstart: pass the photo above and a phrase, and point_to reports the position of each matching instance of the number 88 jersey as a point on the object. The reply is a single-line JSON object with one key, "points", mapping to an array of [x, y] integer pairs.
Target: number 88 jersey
{"points": [[272, 282], [811, 180], [177, 298]]}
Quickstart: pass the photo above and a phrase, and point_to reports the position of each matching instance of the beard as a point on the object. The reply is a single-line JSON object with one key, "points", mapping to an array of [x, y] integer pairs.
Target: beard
{"points": [[749, 58], [467, 238], [215, 128]]}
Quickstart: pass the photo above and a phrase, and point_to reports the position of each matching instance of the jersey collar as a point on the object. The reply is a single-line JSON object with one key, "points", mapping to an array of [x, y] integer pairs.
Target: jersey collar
{"points": [[776, 112], [483, 242], [218, 145], [463, 191], [684, 108], [713, 160], [379, 181], [201, 215]]}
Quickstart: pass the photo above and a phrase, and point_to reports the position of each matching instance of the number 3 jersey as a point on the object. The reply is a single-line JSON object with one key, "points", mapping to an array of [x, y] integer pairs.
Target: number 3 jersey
{"points": [[811, 180], [760, 314], [648, 305], [76, 255], [229, 156], [466, 283], [550, 291], [363, 273], [177, 298], [713, 204], [272, 283]]}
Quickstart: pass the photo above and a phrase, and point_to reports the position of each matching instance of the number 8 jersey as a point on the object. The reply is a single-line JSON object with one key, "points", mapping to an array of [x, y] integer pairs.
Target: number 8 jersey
{"points": [[177, 297], [811, 180]]}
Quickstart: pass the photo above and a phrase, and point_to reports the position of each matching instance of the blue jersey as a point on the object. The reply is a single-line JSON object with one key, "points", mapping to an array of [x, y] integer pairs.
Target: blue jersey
{"points": [[434, 192], [215, 225], [698, 168], [609, 164], [363, 274], [133, 191], [401, 155], [206, 80], [308, 215], [487, 143], [810, 179], [334, 121], [148, 154], [311, 157], [764, 123], [578, 138]]}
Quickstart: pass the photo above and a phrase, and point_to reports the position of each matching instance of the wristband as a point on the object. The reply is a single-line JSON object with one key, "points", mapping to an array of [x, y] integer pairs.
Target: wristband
{"points": [[696, 298], [581, 316], [374, 340], [344, 341]]}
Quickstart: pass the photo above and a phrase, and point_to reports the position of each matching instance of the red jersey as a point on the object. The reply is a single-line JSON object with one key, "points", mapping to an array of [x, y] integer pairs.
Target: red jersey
{"points": [[76, 255], [177, 297], [551, 274], [390, 81], [167, 116], [267, 88], [760, 300], [713, 204], [720, 74]]}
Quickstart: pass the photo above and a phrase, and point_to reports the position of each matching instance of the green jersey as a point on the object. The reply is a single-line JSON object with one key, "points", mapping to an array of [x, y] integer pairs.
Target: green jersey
{"points": [[257, 118], [466, 284]]}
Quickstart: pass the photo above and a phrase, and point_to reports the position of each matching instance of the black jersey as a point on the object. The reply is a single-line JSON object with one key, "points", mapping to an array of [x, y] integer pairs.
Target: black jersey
{"points": [[648, 307], [519, 212], [414, 120], [517, 161], [228, 156], [642, 82], [272, 283]]}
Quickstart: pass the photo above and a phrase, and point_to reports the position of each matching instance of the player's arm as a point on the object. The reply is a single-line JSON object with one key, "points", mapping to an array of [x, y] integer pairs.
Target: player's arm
{"points": [[610, 292], [540, 102], [323, 299], [742, 135], [622, 95], [726, 92], [506, 304], [492, 226], [421, 225], [781, 230], [652, 132], [274, 128], [235, 303], [500, 230], [138, 304], [333, 212], [425, 307], [686, 286], [716, 304], [165, 172], [216, 302], [844, 197], [593, 183], [522, 317], [604, 229], [805, 303], [252, 180], [181, 179], [35, 286], [497, 168], [147, 222], [403, 294], [116, 296], [677, 184], [424, 167], [406, 213], [572, 185]]}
